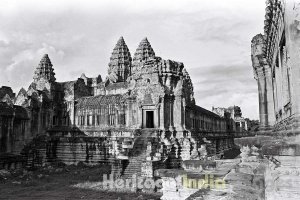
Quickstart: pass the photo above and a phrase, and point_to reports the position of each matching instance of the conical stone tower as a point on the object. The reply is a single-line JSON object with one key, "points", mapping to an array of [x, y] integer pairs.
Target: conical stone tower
{"points": [[144, 52], [45, 70], [120, 62]]}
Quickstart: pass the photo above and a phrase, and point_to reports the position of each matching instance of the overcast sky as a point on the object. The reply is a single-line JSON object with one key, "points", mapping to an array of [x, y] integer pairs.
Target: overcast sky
{"points": [[211, 37]]}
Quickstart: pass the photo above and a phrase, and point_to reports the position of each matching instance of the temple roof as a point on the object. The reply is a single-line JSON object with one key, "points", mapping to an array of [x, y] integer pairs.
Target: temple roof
{"points": [[120, 54], [45, 69], [144, 51], [96, 101], [120, 62], [7, 99], [259, 38], [114, 86], [46, 61], [22, 91], [5, 90], [204, 111]]}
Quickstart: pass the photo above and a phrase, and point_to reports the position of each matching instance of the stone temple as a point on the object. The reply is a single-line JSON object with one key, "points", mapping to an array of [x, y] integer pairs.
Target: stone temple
{"points": [[142, 116]]}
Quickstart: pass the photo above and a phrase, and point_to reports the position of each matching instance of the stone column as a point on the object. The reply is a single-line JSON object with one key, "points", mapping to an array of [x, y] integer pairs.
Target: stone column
{"points": [[9, 134], [171, 111], [162, 114], [183, 114], [178, 113], [117, 112], [261, 81], [269, 95], [76, 122], [104, 115], [156, 112], [129, 114], [72, 113], [140, 117]]}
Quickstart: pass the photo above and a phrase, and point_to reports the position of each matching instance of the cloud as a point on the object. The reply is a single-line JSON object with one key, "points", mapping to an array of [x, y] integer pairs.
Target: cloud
{"points": [[224, 86]]}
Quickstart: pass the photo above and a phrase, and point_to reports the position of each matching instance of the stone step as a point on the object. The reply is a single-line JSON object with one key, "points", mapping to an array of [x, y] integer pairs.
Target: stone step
{"points": [[138, 154]]}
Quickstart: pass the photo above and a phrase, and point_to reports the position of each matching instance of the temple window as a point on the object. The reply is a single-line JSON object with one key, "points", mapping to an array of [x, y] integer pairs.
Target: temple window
{"points": [[88, 120], [93, 120], [98, 120], [111, 119], [111, 114]]}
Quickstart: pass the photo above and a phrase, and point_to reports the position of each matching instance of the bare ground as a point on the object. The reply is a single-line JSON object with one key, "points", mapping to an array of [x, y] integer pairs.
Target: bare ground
{"points": [[56, 183]]}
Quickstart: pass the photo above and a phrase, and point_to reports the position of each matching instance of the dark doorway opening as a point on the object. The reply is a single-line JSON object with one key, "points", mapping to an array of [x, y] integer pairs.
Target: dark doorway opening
{"points": [[3, 139], [149, 119]]}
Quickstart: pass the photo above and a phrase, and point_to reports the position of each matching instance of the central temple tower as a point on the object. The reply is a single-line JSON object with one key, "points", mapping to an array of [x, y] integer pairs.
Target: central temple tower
{"points": [[120, 62]]}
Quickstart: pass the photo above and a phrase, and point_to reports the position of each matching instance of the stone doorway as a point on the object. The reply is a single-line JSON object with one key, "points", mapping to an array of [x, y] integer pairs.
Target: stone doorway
{"points": [[149, 119]]}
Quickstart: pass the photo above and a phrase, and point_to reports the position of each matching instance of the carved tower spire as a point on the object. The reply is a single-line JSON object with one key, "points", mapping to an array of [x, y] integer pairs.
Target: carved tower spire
{"points": [[188, 87], [45, 70], [144, 52], [120, 62]]}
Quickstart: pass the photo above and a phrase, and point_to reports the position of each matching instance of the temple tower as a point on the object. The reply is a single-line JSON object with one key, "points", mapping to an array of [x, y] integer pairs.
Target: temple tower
{"points": [[44, 70], [120, 62], [188, 88], [144, 52], [44, 76]]}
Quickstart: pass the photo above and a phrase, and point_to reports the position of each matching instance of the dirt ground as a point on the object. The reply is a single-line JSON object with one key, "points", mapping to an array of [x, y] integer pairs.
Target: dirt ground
{"points": [[54, 183]]}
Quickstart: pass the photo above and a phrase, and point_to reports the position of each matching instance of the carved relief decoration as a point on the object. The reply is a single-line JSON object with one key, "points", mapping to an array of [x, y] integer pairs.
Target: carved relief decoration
{"points": [[147, 90]]}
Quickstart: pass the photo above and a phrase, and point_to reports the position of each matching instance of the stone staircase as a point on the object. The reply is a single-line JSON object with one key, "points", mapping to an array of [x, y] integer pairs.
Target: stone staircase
{"points": [[138, 154]]}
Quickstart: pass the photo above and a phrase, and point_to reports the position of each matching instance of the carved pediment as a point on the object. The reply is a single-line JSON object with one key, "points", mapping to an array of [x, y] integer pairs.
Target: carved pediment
{"points": [[148, 93]]}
